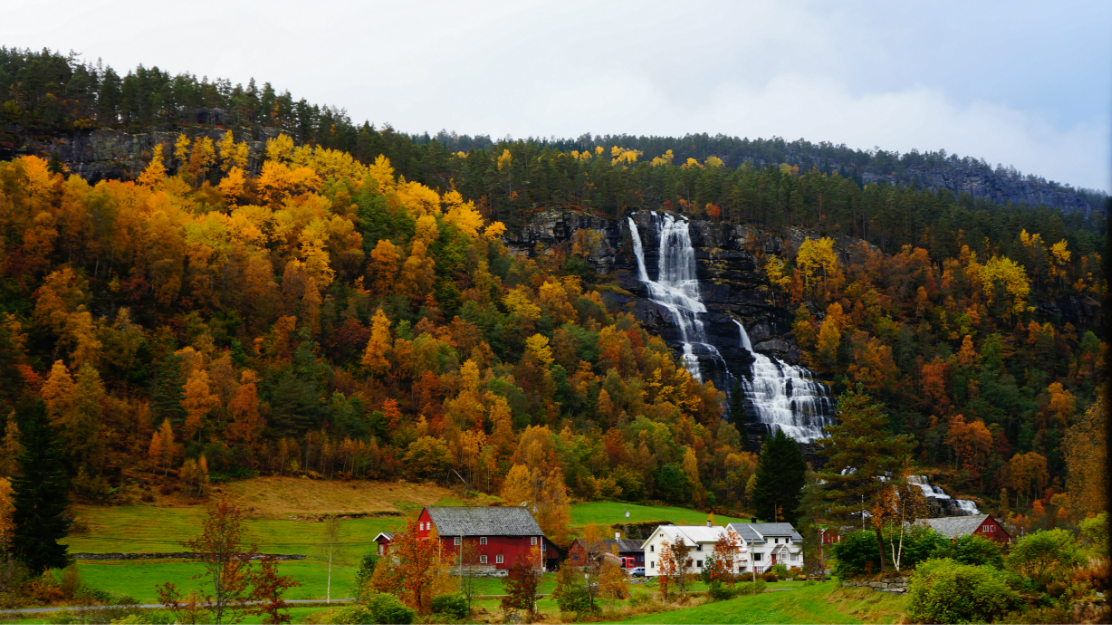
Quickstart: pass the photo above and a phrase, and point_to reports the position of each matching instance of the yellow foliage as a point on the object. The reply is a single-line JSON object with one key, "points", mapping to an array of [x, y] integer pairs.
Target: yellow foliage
{"points": [[233, 185], [520, 303], [280, 149], [538, 346], [714, 161], [663, 159], [494, 231], [1003, 270], [155, 172], [419, 199], [462, 214], [505, 159]]}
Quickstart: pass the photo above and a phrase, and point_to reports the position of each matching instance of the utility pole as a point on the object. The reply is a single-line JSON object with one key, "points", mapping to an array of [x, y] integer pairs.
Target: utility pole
{"points": [[822, 562]]}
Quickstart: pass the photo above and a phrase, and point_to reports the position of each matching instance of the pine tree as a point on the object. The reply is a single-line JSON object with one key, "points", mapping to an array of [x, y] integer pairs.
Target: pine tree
{"points": [[39, 493], [739, 414], [169, 391], [781, 474]]}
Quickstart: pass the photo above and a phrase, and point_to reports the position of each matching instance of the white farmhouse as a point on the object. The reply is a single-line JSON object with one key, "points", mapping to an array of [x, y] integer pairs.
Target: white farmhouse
{"points": [[700, 539], [769, 544]]}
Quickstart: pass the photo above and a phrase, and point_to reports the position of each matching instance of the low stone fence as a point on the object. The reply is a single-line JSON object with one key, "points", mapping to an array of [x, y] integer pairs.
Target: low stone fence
{"points": [[894, 585], [176, 555]]}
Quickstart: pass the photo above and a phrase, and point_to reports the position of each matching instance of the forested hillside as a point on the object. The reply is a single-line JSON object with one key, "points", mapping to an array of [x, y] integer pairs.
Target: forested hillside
{"points": [[340, 303]]}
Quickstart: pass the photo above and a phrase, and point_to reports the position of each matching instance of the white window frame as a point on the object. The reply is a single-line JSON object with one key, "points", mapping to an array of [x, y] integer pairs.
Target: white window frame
{"points": [[698, 564], [482, 540], [757, 556], [457, 541], [498, 559], [482, 559], [533, 540]]}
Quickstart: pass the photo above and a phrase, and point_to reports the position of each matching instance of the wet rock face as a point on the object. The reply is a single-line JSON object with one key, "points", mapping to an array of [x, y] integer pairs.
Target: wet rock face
{"points": [[732, 285]]}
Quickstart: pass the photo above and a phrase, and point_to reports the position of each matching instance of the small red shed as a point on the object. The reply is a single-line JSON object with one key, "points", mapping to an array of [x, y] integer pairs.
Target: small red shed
{"points": [[983, 524]]}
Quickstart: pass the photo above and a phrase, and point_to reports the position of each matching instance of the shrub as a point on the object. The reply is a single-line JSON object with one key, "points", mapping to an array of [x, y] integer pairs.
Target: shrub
{"points": [[974, 549], [751, 588], [720, 592], [384, 608], [453, 605], [945, 591], [351, 615], [781, 570], [769, 576], [1046, 556], [920, 543], [574, 599], [856, 554]]}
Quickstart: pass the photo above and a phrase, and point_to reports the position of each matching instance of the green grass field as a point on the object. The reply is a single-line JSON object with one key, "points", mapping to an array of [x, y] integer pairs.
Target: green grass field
{"points": [[613, 513], [817, 603]]}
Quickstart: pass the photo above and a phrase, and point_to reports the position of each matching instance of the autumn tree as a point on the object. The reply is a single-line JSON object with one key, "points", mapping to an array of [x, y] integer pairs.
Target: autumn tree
{"points": [[521, 590], [226, 560], [375, 356], [1086, 454], [267, 588], [414, 571]]}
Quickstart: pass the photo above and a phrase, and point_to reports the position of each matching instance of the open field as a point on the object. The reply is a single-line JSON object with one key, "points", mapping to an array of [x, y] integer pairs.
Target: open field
{"points": [[613, 513], [817, 603], [284, 497]]}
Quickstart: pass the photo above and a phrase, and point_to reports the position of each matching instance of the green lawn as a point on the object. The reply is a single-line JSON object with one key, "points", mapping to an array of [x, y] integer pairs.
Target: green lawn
{"points": [[613, 513], [818, 603], [138, 578]]}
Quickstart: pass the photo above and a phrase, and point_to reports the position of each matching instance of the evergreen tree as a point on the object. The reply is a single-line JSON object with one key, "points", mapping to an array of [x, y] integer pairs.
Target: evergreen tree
{"points": [[739, 414], [781, 474], [39, 493], [863, 460], [169, 391]]}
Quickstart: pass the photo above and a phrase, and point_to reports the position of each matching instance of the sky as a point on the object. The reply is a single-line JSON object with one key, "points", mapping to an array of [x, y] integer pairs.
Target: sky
{"points": [[1025, 84]]}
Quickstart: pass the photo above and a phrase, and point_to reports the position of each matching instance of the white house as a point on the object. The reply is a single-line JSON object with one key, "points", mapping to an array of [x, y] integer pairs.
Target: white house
{"points": [[699, 538], [770, 544]]}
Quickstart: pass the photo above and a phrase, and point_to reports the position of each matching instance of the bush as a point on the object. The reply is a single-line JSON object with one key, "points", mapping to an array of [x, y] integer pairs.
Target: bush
{"points": [[856, 554], [720, 592], [974, 549], [377, 608], [453, 605], [751, 588], [770, 576], [1044, 557], [781, 570], [945, 591], [575, 600]]}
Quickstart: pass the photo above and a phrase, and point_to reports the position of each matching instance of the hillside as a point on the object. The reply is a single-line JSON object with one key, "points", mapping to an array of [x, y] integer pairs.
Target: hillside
{"points": [[214, 304]]}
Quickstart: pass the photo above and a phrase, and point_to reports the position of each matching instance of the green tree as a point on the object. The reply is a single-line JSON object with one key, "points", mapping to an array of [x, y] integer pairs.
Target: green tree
{"points": [[863, 461], [781, 474], [39, 493], [739, 414], [169, 391], [945, 591]]}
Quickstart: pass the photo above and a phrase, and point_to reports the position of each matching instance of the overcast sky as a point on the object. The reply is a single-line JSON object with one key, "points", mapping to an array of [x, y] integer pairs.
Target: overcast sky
{"points": [[1027, 84]]}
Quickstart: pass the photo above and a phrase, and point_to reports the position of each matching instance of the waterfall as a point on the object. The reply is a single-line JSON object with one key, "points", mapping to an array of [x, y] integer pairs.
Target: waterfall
{"points": [[784, 396], [958, 507], [676, 288]]}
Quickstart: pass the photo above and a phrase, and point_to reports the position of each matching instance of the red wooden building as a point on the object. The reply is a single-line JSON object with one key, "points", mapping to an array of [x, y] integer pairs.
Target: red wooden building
{"points": [[957, 526], [495, 537], [579, 553]]}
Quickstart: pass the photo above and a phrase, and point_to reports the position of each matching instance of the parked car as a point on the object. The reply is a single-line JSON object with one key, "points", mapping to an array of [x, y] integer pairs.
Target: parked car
{"points": [[637, 572]]}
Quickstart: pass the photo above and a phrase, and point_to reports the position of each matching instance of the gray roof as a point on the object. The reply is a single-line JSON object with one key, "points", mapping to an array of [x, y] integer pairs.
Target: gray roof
{"points": [[956, 526], [756, 532], [488, 521]]}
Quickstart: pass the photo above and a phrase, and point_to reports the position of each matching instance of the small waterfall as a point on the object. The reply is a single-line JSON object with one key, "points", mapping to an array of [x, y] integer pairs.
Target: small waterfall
{"points": [[676, 288], [785, 397], [957, 507]]}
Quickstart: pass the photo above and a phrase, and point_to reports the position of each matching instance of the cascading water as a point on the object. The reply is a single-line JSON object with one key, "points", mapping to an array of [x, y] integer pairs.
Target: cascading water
{"points": [[784, 396], [676, 288], [948, 504]]}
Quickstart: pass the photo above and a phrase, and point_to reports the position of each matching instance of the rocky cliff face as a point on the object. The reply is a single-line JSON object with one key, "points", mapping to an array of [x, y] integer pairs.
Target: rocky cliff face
{"points": [[111, 154], [731, 283]]}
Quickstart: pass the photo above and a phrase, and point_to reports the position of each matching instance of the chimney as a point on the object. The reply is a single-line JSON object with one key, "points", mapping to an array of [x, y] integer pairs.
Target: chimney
{"points": [[709, 523], [617, 535]]}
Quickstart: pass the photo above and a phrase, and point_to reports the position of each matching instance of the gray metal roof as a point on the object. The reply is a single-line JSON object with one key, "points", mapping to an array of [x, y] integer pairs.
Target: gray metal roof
{"points": [[756, 532], [956, 526], [624, 544], [487, 521]]}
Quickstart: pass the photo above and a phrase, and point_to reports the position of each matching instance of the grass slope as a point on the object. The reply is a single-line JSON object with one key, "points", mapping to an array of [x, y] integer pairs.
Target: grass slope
{"points": [[613, 513], [818, 603]]}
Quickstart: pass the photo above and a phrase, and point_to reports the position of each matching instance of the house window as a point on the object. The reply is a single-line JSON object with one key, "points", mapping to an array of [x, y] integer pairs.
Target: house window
{"points": [[498, 559], [482, 559], [532, 540], [652, 547], [482, 540], [575, 557], [698, 564], [652, 564], [777, 540], [757, 556], [457, 540], [698, 547]]}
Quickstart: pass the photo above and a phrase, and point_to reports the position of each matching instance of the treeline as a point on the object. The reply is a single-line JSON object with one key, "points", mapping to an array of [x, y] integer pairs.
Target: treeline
{"points": [[48, 92]]}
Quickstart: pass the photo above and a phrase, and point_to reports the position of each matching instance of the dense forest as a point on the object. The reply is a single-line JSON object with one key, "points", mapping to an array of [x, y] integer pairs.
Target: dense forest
{"points": [[341, 305]]}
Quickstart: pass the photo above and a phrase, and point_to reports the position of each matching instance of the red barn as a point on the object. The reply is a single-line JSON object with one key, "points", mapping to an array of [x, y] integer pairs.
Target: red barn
{"points": [[501, 537], [957, 526]]}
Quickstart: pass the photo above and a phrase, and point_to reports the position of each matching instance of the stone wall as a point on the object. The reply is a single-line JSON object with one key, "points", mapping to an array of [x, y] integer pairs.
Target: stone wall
{"points": [[894, 585]]}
